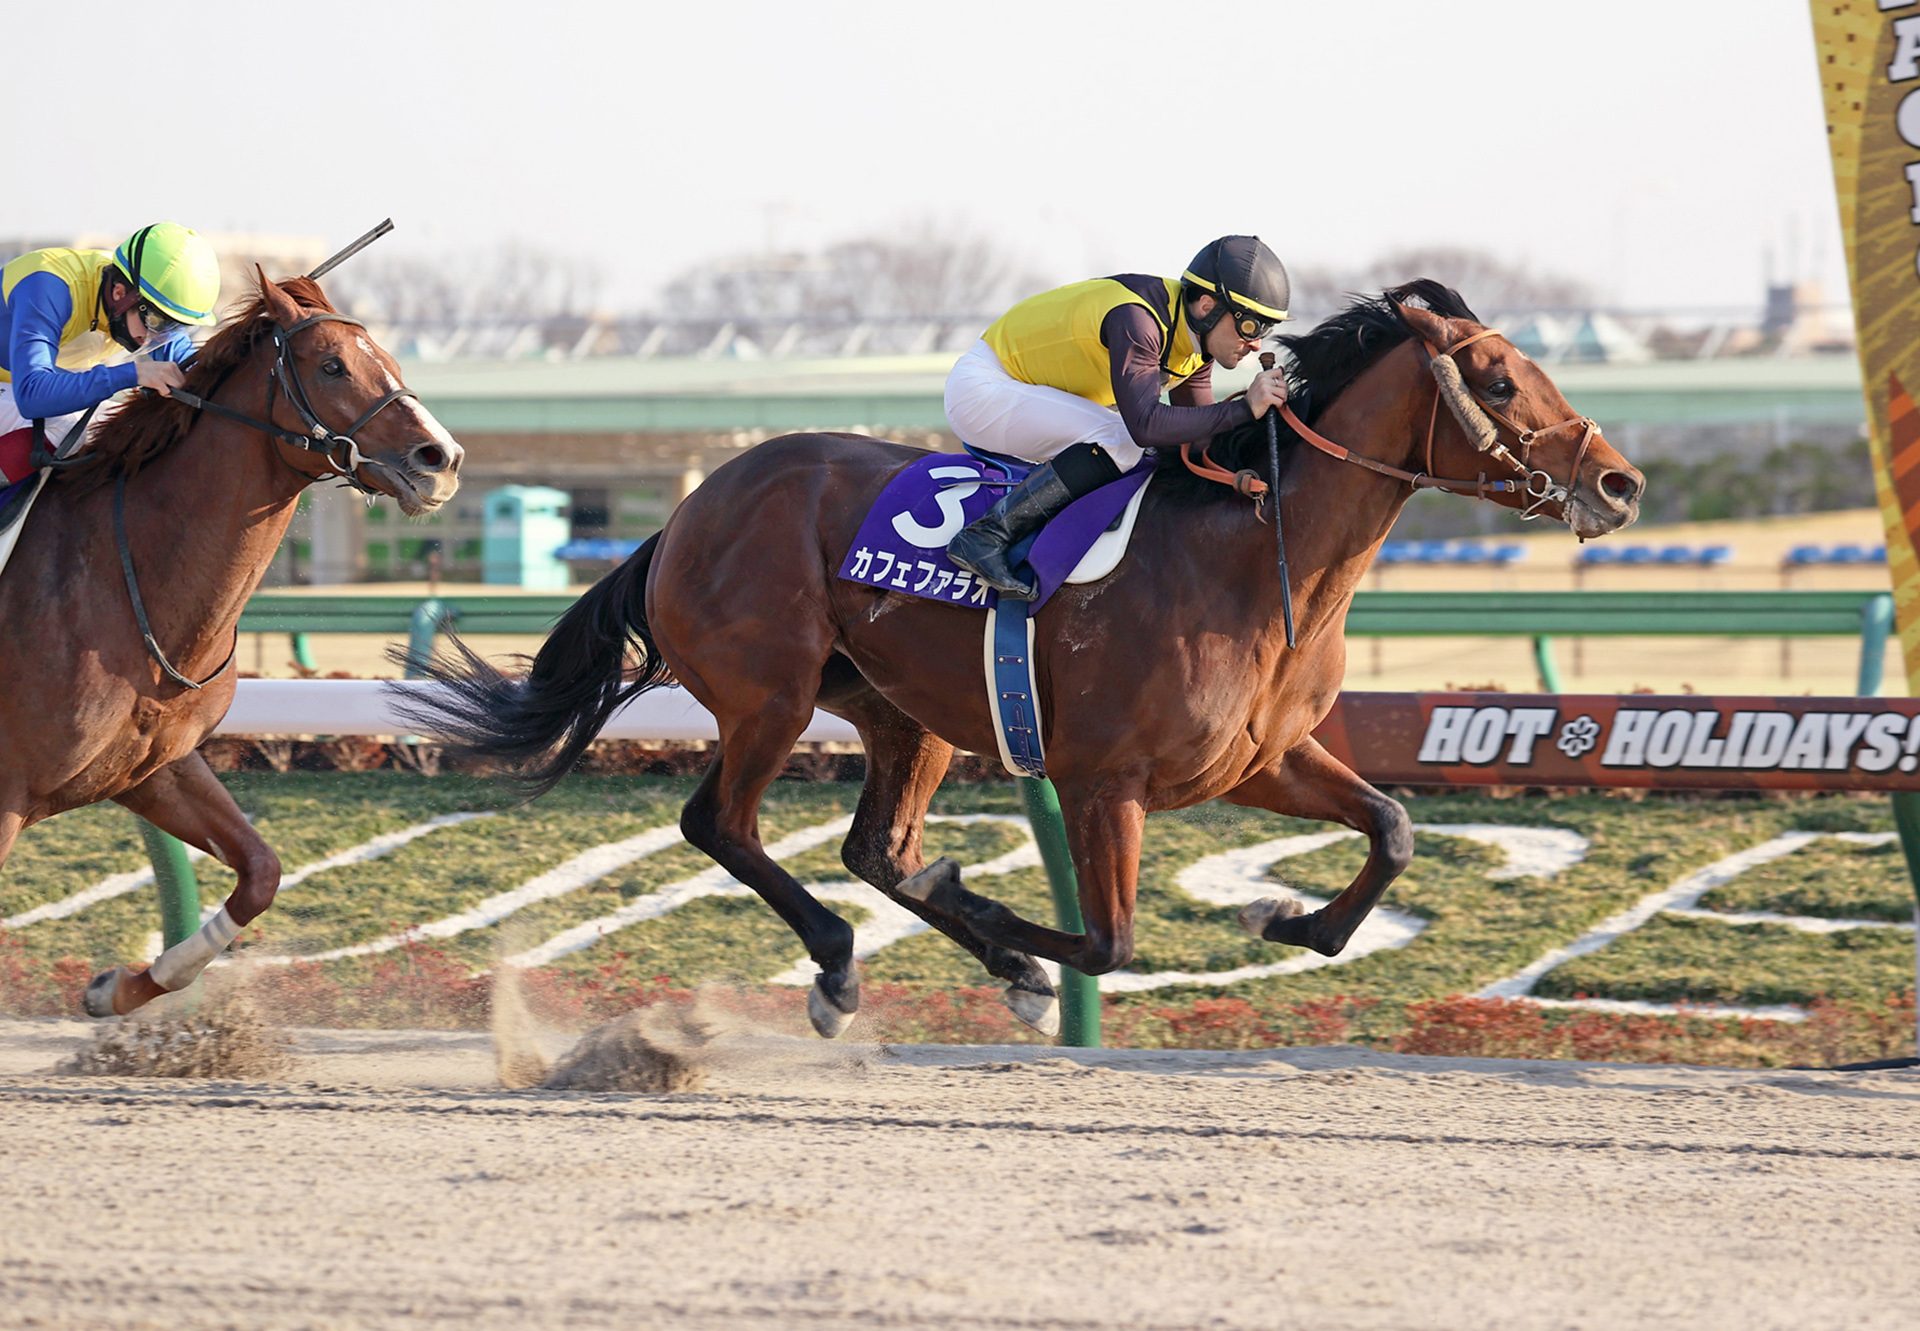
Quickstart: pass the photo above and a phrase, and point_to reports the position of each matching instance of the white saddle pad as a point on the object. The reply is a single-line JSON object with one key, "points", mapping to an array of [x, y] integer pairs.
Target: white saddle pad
{"points": [[1104, 554]]}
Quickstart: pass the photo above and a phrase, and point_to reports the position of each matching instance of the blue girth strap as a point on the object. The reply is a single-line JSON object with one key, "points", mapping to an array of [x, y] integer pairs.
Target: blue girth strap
{"points": [[1016, 703]]}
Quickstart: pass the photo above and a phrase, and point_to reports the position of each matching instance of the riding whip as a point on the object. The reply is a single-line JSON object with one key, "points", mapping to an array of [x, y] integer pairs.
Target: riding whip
{"points": [[351, 250], [1273, 493]]}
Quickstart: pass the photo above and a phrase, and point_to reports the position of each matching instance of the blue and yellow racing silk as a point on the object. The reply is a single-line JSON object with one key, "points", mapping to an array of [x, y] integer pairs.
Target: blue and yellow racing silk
{"points": [[54, 342]]}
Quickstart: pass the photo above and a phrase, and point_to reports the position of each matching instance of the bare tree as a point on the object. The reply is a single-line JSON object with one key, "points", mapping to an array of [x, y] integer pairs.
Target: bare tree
{"points": [[513, 282], [923, 273]]}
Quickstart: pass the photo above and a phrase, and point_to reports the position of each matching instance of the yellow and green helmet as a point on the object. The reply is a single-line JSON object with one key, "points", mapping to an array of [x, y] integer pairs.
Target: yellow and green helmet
{"points": [[173, 268]]}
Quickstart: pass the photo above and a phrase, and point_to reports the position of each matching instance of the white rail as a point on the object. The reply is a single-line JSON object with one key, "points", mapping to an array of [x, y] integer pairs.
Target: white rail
{"points": [[364, 707]]}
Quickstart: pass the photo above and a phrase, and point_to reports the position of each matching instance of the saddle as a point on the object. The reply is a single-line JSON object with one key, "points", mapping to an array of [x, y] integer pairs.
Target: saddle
{"points": [[19, 482], [902, 542], [902, 547], [26, 455]]}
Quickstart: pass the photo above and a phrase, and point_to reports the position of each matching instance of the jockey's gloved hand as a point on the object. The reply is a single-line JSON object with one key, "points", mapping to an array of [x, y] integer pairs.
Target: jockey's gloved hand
{"points": [[1268, 389], [161, 376]]}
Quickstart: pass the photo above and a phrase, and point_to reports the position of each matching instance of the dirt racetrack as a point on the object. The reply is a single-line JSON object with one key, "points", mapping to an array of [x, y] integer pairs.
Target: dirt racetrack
{"points": [[390, 1182]]}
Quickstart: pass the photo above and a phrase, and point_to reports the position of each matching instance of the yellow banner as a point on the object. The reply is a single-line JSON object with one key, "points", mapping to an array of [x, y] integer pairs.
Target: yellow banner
{"points": [[1869, 53]]}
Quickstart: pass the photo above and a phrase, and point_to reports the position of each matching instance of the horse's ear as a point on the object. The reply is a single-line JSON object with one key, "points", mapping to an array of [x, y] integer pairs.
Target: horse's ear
{"points": [[1424, 323], [284, 309]]}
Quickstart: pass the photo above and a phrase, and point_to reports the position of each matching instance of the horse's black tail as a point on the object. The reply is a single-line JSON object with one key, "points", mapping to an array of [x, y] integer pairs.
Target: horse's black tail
{"points": [[539, 726]]}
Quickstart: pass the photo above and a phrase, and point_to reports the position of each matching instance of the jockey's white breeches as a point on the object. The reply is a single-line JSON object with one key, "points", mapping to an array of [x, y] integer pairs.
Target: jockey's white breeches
{"points": [[991, 409], [11, 419]]}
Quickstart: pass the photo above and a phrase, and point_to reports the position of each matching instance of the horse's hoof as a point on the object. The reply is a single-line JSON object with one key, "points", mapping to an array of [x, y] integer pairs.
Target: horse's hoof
{"points": [[942, 873], [1256, 917], [98, 1000], [119, 991], [832, 1007], [1040, 1011]]}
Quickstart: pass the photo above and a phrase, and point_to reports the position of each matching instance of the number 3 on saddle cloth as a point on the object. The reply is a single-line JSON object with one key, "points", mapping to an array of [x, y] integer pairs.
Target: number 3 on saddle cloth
{"points": [[902, 547]]}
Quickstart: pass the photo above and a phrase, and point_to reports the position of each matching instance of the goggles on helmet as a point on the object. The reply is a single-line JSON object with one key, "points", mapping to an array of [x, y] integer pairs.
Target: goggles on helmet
{"points": [[159, 325], [1250, 327]]}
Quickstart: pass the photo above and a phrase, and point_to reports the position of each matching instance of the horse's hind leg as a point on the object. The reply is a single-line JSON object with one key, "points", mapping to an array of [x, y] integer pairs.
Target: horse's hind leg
{"points": [[723, 819], [186, 800], [1104, 819], [1309, 782], [905, 764]]}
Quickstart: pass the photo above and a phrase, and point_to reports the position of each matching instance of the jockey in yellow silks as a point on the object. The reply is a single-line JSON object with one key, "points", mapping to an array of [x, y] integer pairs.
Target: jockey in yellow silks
{"points": [[65, 314], [1072, 379]]}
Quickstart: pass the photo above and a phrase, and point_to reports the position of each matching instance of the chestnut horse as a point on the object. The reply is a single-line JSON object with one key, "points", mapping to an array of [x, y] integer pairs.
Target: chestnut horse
{"points": [[1167, 684], [92, 710]]}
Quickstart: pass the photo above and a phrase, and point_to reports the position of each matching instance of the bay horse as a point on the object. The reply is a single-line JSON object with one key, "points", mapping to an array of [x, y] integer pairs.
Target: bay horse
{"points": [[1166, 684], [90, 709]]}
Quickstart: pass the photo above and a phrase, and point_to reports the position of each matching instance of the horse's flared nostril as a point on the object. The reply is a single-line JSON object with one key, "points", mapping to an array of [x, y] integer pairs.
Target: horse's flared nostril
{"points": [[436, 457], [1623, 488]]}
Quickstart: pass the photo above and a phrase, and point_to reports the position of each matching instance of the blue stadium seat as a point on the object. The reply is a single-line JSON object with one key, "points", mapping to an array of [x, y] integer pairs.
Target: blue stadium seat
{"points": [[1877, 555], [1597, 554], [1468, 552], [1677, 554], [1714, 555], [1847, 554], [1806, 554], [1509, 554], [1637, 554], [596, 551]]}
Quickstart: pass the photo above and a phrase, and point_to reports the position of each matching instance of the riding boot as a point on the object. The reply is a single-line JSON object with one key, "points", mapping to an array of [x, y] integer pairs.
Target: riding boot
{"points": [[985, 548]]}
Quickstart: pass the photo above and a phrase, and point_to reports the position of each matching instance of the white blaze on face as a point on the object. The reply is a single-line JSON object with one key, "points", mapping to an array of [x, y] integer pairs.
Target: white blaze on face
{"points": [[409, 406]]}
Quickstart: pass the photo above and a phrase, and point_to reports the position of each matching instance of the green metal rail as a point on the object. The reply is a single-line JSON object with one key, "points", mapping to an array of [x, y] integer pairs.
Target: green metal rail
{"points": [[1541, 616]]}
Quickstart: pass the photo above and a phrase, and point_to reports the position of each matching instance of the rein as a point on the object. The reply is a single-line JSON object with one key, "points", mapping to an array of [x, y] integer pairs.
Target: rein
{"points": [[140, 606], [340, 450], [1537, 485]]}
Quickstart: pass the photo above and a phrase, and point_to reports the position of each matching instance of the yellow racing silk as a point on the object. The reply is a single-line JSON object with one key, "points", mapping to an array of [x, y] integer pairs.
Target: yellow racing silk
{"points": [[1053, 339], [84, 342]]}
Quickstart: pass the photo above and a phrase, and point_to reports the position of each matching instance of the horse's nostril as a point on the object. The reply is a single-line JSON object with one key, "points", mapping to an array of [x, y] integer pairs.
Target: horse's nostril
{"points": [[1619, 487], [429, 457]]}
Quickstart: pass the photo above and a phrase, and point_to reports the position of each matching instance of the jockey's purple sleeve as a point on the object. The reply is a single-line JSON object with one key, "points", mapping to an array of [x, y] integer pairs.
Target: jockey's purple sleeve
{"points": [[1133, 341]]}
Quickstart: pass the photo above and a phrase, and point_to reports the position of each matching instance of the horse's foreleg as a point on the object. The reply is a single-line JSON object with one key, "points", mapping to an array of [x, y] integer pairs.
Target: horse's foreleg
{"points": [[723, 819], [1309, 782], [905, 765], [184, 799], [1103, 831], [10, 825]]}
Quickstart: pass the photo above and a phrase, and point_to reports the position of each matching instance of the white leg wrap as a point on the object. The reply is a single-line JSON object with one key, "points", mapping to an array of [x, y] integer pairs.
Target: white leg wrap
{"points": [[181, 964]]}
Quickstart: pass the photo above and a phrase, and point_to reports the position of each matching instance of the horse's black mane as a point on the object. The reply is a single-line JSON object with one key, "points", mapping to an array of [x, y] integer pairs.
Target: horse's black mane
{"points": [[1320, 363]]}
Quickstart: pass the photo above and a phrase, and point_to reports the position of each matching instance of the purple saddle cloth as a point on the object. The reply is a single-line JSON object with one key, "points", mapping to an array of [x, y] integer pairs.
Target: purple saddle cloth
{"points": [[902, 544]]}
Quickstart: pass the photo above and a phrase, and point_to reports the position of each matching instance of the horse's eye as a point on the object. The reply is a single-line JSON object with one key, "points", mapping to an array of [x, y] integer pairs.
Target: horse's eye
{"points": [[332, 367], [1500, 388]]}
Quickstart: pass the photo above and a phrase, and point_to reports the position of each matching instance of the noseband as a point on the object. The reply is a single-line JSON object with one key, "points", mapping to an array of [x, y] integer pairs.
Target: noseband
{"points": [[1538, 485]]}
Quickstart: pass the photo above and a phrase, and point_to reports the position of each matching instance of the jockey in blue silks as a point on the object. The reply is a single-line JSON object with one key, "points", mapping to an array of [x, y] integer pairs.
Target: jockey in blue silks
{"points": [[66, 314]]}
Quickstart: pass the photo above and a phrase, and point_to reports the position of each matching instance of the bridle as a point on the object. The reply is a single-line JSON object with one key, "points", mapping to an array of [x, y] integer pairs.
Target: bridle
{"points": [[1535, 483], [340, 450]]}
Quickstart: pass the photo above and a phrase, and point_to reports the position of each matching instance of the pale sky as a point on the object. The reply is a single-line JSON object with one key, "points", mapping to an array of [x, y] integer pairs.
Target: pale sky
{"points": [[1657, 149]]}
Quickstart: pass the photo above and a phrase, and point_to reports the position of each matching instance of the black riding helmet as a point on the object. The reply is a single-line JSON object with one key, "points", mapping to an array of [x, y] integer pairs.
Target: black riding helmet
{"points": [[1245, 278]]}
